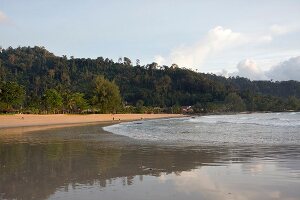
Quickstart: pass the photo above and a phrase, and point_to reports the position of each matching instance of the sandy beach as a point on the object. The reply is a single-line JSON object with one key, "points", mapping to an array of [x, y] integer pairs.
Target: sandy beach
{"points": [[22, 120]]}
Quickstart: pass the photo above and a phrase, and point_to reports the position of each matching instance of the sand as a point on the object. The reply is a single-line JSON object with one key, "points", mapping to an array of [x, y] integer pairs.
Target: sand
{"points": [[22, 120]]}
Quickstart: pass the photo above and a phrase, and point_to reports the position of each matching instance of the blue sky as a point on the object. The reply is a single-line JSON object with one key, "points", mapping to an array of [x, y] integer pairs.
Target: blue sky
{"points": [[233, 37]]}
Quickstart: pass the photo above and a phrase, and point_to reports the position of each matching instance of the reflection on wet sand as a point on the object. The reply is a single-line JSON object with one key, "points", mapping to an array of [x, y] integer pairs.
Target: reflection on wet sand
{"points": [[85, 162], [39, 169]]}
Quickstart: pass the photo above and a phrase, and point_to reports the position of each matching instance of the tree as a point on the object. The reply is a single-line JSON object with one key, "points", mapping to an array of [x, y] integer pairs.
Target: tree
{"points": [[120, 60], [198, 108], [38, 70], [293, 103], [106, 95], [12, 95], [140, 106], [127, 61], [138, 62], [76, 102], [234, 102], [52, 100]]}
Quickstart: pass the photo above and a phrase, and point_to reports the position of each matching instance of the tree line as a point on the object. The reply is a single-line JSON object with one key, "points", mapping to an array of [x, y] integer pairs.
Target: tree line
{"points": [[34, 80]]}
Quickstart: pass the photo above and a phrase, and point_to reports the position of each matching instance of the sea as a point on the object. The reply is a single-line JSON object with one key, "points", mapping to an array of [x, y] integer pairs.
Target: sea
{"points": [[239, 129]]}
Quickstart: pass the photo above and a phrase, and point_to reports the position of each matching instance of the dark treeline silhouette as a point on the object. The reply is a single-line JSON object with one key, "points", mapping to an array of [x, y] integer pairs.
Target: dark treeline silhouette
{"points": [[35, 80]]}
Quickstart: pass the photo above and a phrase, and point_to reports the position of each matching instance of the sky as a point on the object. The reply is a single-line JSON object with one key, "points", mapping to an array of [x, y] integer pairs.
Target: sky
{"points": [[257, 39]]}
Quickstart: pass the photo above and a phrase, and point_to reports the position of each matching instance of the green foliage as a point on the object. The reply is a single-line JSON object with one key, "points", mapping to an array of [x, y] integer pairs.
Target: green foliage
{"points": [[198, 108], [52, 100], [293, 103], [106, 95], [269, 103], [11, 95], [98, 84], [175, 109], [140, 106], [216, 107], [76, 102], [127, 61], [234, 103]]}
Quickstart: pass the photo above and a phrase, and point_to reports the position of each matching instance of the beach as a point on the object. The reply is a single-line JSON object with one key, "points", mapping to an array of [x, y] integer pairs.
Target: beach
{"points": [[205, 157], [28, 120]]}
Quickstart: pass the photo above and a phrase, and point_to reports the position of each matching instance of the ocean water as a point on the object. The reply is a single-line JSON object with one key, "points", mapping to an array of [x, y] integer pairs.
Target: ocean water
{"points": [[241, 129]]}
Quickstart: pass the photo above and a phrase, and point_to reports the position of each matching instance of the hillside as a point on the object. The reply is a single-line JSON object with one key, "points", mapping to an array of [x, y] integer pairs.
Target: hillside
{"points": [[151, 85]]}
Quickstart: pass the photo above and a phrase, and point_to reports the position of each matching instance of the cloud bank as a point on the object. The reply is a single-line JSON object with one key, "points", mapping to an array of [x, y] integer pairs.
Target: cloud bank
{"points": [[220, 39], [287, 70], [216, 40], [248, 68]]}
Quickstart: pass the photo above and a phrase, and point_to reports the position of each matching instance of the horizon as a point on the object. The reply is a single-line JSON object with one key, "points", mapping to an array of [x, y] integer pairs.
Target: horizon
{"points": [[254, 40]]}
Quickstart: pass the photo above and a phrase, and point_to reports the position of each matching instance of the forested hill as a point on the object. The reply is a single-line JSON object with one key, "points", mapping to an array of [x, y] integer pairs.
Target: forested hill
{"points": [[38, 70]]}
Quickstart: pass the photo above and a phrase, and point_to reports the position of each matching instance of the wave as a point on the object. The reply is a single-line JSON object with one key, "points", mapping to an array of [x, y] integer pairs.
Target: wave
{"points": [[254, 119], [217, 129]]}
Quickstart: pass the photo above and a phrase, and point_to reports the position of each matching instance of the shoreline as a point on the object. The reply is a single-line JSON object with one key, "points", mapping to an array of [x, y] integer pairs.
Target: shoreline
{"points": [[29, 122], [243, 112]]}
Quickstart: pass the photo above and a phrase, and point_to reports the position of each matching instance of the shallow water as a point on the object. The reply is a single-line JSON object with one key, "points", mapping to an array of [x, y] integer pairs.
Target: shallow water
{"points": [[268, 129], [219, 157]]}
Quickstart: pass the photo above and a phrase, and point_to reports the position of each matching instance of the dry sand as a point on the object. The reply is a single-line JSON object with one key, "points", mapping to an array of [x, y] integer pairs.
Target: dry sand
{"points": [[22, 120]]}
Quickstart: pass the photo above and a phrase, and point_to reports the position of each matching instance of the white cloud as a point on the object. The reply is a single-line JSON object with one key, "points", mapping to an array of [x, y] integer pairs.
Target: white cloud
{"points": [[283, 71], [281, 29], [217, 40], [220, 39], [3, 17], [248, 68], [213, 183], [159, 60], [224, 73], [287, 70]]}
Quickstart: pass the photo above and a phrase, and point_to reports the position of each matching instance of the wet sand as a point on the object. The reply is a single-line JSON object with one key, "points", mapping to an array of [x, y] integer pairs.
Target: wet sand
{"points": [[19, 133], [85, 162]]}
